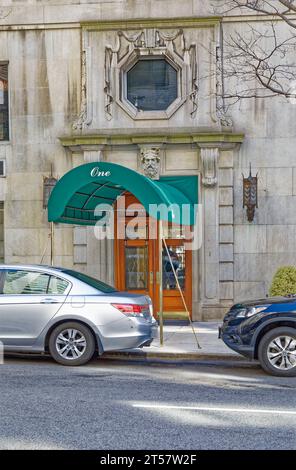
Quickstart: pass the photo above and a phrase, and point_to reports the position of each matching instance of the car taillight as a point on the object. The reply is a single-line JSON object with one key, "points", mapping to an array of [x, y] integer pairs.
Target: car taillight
{"points": [[133, 310]]}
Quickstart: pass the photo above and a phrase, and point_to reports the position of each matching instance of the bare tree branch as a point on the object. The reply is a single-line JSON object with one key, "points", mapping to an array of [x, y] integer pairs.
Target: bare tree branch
{"points": [[260, 60]]}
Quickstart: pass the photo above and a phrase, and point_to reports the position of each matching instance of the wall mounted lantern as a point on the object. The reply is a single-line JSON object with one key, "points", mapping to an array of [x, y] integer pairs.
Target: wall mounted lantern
{"points": [[250, 194]]}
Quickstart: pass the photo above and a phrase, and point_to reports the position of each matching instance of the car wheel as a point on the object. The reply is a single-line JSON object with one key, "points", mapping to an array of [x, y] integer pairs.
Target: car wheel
{"points": [[277, 352], [71, 344]]}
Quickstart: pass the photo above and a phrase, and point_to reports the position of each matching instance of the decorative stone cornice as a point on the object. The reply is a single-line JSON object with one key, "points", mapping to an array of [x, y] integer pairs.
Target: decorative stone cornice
{"points": [[165, 136], [165, 23]]}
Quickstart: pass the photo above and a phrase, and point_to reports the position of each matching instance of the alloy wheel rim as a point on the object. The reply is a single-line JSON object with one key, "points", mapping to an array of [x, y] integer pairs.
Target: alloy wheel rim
{"points": [[281, 352], [70, 344]]}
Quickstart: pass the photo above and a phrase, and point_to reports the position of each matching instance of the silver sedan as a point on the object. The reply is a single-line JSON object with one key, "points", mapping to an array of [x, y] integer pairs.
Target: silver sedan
{"points": [[69, 314]]}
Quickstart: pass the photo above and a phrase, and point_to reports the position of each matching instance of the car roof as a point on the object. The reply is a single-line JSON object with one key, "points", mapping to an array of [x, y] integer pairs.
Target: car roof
{"points": [[32, 266]]}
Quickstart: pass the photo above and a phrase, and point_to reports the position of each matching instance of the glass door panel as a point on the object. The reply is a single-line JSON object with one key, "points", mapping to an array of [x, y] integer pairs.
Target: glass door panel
{"points": [[174, 261], [136, 267]]}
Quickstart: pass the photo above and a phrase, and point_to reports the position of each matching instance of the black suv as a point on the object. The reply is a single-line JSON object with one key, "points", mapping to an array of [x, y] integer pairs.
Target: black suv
{"points": [[264, 329]]}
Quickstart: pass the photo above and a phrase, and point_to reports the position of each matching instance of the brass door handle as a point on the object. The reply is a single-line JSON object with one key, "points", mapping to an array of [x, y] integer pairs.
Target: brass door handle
{"points": [[151, 277], [158, 277]]}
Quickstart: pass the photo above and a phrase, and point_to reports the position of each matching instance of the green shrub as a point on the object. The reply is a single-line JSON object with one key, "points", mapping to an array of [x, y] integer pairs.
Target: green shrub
{"points": [[284, 281]]}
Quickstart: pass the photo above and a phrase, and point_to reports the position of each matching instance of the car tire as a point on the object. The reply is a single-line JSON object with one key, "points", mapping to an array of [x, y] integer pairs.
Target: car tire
{"points": [[71, 344], [273, 355]]}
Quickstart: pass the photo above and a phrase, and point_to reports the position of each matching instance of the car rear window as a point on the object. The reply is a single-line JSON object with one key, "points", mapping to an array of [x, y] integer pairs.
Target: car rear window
{"points": [[20, 281], [91, 281]]}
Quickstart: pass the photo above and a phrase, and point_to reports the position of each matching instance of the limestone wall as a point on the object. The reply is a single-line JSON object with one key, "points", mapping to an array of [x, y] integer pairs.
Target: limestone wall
{"points": [[65, 11], [44, 83], [262, 246]]}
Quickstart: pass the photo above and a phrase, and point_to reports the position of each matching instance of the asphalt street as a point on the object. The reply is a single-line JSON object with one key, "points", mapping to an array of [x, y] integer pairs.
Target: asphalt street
{"points": [[121, 405]]}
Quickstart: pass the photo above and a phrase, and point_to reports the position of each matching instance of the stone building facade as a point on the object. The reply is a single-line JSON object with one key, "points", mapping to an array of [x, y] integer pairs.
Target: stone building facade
{"points": [[69, 103]]}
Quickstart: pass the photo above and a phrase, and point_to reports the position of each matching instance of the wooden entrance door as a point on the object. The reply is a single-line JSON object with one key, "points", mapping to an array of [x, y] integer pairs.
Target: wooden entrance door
{"points": [[137, 261]]}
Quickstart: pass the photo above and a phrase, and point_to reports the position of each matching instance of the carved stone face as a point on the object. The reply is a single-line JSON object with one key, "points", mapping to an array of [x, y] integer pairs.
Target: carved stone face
{"points": [[150, 162]]}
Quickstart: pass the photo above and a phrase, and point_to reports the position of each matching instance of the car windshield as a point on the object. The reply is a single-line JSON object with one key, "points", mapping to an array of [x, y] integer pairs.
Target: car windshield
{"points": [[91, 281]]}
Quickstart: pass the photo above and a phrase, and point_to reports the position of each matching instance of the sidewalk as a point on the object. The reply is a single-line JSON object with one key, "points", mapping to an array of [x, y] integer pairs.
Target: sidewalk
{"points": [[180, 344]]}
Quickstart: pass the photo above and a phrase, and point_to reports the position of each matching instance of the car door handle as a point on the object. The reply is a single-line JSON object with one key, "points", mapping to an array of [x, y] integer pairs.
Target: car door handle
{"points": [[49, 301]]}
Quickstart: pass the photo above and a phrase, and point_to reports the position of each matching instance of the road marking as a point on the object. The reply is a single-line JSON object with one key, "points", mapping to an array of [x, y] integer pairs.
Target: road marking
{"points": [[223, 410]]}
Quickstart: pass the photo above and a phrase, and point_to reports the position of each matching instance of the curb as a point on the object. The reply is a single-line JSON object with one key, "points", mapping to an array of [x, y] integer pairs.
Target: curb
{"points": [[173, 357]]}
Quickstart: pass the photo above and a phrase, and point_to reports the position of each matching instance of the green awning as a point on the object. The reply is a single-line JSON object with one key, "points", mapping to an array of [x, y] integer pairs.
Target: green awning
{"points": [[78, 193]]}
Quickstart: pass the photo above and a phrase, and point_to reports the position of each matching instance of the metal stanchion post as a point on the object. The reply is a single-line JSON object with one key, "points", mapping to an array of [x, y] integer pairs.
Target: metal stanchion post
{"points": [[160, 313], [51, 242]]}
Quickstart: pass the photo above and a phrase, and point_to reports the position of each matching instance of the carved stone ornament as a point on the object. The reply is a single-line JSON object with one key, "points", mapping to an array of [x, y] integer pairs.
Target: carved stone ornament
{"points": [[80, 122], [193, 93], [209, 159], [107, 82], [84, 119], [144, 43], [150, 162]]}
